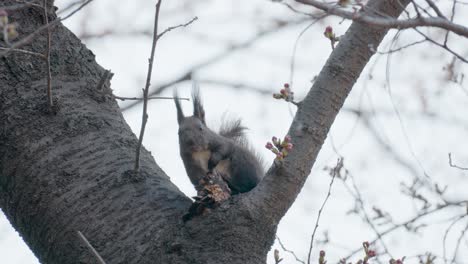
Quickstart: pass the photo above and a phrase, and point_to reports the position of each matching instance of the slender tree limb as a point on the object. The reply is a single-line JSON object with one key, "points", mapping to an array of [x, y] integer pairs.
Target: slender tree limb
{"points": [[47, 55], [174, 27], [435, 8], [454, 165], [19, 6], [452, 16], [289, 251], [282, 183], [27, 52], [446, 233], [122, 98], [334, 172], [94, 251], [363, 17], [147, 85]]}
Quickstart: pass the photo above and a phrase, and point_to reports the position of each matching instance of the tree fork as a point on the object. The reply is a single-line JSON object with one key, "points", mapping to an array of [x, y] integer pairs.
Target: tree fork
{"points": [[68, 172]]}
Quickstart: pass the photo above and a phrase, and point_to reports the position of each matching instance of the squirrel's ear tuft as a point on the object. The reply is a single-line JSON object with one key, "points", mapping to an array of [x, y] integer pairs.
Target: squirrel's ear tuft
{"points": [[198, 110], [180, 113]]}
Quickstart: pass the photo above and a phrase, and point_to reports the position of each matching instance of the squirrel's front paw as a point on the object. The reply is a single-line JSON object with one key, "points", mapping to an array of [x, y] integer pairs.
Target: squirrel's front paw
{"points": [[213, 161]]}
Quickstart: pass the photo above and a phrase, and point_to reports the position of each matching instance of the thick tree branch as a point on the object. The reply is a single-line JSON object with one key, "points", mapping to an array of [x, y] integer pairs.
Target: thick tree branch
{"points": [[317, 112], [365, 17]]}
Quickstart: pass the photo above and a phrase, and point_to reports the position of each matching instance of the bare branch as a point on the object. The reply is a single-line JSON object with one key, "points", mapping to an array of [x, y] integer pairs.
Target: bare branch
{"points": [[114, 33], [445, 47], [27, 52], [149, 98], [296, 44], [95, 253], [435, 8], [20, 6], [451, 20], [447, 231], [366, 18], [174, 27], [457, 246], [289, 251], [453, 165], [334, 172], [402, 47], [237, 86], [147, 85], [47, 55]]}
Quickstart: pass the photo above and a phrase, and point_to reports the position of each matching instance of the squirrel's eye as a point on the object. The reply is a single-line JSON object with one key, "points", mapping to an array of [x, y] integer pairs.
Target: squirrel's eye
{"points": [[200, 128]]}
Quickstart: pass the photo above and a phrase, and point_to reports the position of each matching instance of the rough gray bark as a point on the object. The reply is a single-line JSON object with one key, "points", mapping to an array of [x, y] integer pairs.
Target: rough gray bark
{"points": [[67, 172]]}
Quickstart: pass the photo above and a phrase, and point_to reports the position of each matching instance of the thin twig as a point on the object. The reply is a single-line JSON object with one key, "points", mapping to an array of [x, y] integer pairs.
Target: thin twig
{"points": [[47, 55], [19, 6], [336, 171], [408, 222], [453, 165], [402, 47], [445, 47], [296, 44], [95, 253], [27, 52], [149, 98], [447, 231], [457, 246], [174, 27], [416, 8], [289, 251], [146, 89], [367, 219], [451, 20], [435, 8]]}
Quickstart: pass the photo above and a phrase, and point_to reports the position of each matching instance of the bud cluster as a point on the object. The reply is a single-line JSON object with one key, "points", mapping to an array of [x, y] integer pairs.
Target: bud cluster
{"points": [[369, 252], [278, 259], [280, 148], [397, 261], [8, 30], [322, 257], [329, 34], [285, 94]]}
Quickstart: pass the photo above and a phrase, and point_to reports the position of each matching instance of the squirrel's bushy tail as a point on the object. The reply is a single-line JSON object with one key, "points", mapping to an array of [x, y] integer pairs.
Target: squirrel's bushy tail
{"points": [[232, 129]]}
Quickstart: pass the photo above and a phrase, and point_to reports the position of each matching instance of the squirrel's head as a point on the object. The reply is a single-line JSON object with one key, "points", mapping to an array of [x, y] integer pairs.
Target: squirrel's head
{"points": [[193, 132]]}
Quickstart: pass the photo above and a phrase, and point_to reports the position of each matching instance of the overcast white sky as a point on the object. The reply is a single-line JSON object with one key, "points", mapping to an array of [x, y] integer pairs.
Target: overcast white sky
{"points": [[402, 117]]}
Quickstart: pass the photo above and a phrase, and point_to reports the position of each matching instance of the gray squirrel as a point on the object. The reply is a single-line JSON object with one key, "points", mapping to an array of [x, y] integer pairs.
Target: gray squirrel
{"points": [[227, 153]]}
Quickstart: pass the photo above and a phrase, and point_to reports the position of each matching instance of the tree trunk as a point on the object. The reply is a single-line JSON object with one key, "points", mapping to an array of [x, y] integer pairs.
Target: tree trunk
{"points": [[70, 169]]}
